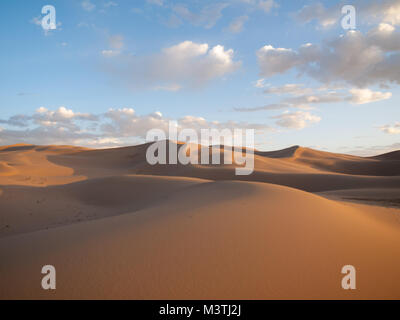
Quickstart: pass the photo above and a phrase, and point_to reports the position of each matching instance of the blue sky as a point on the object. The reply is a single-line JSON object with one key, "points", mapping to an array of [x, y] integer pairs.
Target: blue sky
{"points": [[114, 69]]}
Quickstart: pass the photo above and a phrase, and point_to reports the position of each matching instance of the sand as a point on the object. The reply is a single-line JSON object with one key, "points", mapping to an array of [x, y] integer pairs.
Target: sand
{"points": [[117, 228]]}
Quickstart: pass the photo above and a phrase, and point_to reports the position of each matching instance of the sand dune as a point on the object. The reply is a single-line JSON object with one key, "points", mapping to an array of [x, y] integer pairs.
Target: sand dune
{"points": [[394, 155], [6, 169], [44, 208], [116, 227]]}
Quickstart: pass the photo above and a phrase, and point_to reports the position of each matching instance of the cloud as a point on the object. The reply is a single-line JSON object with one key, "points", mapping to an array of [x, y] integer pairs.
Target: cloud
{"points": [[362, 96], [156, 2], [116, 127], [264, 5], [273, 61], [325, 17], [171, 87], [385, 37], [273, 106], [110, 4], [126, 123], [207, 17], [110, 53], [61, 119], [353, 58], [390, 12], [22, 94], [321, 98], [391, 129], [387, 11], [38, 22], [116, 41], [267, 5], [18, 120], [87, 5], [237, 24], [296, 120], [355, 96], [187, 64], [301, 97], [260, 83], [45, 117], [292, 89], [61, 126]]}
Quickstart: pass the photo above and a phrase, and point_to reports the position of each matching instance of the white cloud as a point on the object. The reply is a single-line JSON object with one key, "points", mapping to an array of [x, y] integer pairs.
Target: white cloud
{"points": [[385, 37], [383, 11], [171, 87], [355, 58], [87, 5], [61, 117], [207, 17], [260, 83], [357, 96], [300, 97], [327, 97], [116, 127], [110, 4], [116, 41], [391, 129], [267, 5], [18, 120], [387, 11], [276, 60], [38, 22], [325, 17], [187, 64], [237, 24], [386, 28], [362, 96], [156, 2], [296, 120], [110, 53], [392, 13], [291, 89], [264, 5], [273, 106], [186, 49]]}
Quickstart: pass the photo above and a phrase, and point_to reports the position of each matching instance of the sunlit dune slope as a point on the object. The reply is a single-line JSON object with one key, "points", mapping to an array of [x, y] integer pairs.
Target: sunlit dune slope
{"points": [[295, 167], [212, 240], [116, 227]]}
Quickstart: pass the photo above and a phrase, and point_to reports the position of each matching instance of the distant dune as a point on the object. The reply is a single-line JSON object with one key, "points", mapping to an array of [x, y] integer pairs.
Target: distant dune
{"points": [[116, 227]]}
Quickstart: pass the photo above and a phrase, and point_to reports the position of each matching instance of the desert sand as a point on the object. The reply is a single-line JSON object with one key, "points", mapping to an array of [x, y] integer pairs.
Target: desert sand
{"points": [[116, 227]]}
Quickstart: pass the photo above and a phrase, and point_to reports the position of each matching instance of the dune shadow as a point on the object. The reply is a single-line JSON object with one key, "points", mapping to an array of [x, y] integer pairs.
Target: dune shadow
{"points": [[18, 148]]}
